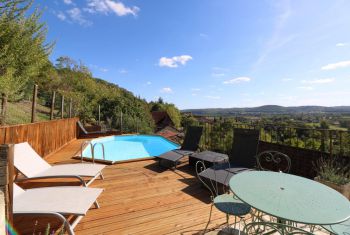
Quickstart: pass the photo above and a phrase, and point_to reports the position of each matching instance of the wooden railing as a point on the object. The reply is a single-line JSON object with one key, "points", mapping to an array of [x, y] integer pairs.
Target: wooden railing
{"points": [[44, 137]]}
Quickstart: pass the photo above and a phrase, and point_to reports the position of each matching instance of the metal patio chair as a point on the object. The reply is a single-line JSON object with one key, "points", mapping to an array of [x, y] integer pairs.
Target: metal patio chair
{"points": [[274, 228], [273, 161], [225, 202]]}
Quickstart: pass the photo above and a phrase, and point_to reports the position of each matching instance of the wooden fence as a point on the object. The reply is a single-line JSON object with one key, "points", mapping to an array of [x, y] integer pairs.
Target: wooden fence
{"points": [[44, 137]]}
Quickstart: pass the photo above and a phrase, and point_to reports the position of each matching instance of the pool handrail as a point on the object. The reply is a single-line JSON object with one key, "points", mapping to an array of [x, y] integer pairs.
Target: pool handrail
{"points": [[93, 151], [85, 143]]}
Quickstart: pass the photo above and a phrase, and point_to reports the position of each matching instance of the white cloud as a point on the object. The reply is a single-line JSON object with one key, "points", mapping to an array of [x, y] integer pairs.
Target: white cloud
{"points": [[319, 81], [213, 97], [237, 80], [195, 89], [166, 90], [174, 61], [308, 88], [286, 79], [108, 6], [68, 2], [341, 64], [76, 15], [148, 83], [60, 15], [341, 44]]}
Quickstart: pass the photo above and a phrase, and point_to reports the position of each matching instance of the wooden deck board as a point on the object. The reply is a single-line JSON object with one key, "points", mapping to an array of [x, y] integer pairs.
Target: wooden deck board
{"points": [[139, 198]]}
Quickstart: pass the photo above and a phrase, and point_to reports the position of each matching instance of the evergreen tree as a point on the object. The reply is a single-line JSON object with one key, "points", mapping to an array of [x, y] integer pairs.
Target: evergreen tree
{"points": [[23, 52]]}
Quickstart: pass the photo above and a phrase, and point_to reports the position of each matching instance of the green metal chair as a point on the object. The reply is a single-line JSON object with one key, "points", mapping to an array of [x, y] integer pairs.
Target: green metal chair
{"points": [[273, 161], [225, 202], [273, 228], [339, 229]]}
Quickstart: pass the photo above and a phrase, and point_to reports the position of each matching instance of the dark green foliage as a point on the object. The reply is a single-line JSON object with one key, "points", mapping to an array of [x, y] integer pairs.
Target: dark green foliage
{"points": [[23, 51], [75, 81]]}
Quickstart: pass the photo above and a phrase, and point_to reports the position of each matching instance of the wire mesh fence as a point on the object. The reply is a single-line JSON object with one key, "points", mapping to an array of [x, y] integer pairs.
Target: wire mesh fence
{"points": [[40, 106]]}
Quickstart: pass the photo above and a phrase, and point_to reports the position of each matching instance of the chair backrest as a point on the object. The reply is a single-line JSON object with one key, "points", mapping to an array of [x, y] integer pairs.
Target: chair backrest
{"points": [[192, 138], [82, 128], [214, 175], [27, 161], [273, 161], [244, 147]]}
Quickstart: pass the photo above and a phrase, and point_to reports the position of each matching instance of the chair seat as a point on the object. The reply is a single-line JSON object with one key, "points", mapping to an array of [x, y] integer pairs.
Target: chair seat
{"points": [[81, 169], [67, 200], [230, 205]]}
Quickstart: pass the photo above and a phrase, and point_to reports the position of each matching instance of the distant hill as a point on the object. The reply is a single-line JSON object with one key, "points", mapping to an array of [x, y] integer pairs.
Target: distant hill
{"points": [[268, 109]]}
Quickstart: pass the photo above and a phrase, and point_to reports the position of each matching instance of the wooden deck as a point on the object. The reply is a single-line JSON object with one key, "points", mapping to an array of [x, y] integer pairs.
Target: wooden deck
{"points": [[139, 198]]}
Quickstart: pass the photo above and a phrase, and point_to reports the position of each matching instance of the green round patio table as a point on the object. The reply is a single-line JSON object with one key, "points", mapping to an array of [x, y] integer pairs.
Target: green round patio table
{"points": [[291, 197]]}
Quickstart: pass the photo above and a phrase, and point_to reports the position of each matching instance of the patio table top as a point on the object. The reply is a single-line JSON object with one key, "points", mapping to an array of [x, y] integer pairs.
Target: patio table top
{"points": [[291, 197]]}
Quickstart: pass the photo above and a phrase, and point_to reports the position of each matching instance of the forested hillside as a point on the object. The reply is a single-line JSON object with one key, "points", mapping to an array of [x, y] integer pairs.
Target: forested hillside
{"points": [[24, 61]]}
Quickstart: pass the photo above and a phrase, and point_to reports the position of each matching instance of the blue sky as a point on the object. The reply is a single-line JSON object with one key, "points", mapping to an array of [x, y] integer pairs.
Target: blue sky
{"points": [[217, 53]]}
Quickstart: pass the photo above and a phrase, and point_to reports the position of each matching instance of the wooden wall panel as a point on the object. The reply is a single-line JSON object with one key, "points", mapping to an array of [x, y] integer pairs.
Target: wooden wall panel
{"points": [[44, 137]]}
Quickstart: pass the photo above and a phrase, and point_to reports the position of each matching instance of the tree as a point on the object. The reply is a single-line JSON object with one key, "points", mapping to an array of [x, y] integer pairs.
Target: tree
{"points": [[324, 124], [23, 51]]}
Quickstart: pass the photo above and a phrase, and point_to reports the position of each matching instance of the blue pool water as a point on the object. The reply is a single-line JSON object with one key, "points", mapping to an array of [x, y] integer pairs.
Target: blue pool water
{"points": [[122, 148]]}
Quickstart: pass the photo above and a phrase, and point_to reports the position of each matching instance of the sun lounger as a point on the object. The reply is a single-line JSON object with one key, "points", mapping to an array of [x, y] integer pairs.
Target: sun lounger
{"points": [[188, 147], [93, 134], [55, 201], [32, 166], [242, 157]]}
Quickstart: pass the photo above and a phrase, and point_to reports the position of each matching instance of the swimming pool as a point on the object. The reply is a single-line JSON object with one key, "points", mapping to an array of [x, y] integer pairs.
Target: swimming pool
{"points": [[128, 147]]}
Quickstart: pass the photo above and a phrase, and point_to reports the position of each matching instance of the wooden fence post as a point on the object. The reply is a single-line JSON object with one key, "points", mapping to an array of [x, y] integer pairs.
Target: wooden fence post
{"points": [[6, 186], [62, 107], [3, 109], [52, 104], [70, 108], [35, 94], [99, 114], [121, 122]]}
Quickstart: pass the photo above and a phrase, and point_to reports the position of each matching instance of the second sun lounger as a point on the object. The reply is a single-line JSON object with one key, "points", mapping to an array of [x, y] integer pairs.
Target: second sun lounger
{"points": [[56, 202]]}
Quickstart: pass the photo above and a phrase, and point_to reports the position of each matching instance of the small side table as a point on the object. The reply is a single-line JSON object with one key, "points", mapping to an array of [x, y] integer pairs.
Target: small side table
{"points": [[208, 157]]}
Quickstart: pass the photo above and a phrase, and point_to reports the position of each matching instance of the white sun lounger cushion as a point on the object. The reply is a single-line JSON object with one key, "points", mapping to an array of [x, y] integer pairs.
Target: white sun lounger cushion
{"points": [[69, 200], [29, 163]]}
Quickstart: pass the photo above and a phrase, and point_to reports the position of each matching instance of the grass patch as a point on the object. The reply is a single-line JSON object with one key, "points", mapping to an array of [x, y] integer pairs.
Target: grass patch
{"points": [[20, 112]]}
